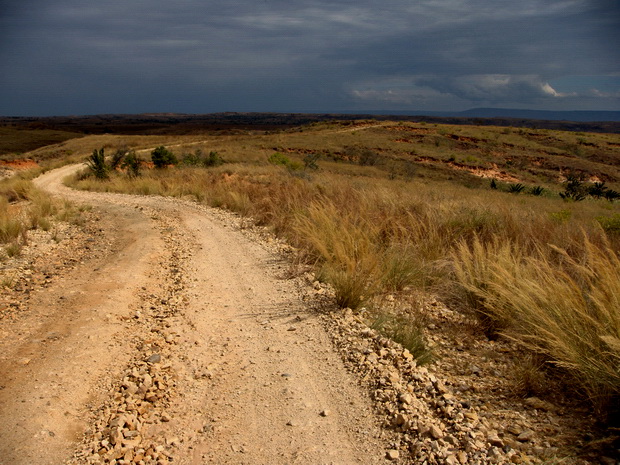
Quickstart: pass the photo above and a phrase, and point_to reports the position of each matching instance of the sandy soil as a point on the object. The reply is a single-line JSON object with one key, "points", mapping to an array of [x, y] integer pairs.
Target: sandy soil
{"points": [[230, 364]]}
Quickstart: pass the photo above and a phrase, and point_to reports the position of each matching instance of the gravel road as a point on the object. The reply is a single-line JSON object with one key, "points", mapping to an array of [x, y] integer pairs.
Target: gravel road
{"points": [[184, 340]]}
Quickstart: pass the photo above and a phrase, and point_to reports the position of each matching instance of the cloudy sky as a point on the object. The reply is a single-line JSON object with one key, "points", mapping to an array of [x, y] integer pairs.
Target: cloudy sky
{"points": [[61, 57]]}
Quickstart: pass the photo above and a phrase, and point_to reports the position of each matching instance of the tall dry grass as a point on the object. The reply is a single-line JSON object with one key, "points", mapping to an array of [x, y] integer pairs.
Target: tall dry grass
{"points": [[566, 308], [23, 207]]}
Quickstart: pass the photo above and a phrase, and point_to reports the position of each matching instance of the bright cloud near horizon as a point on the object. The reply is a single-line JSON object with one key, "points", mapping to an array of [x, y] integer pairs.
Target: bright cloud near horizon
{"points": [[201, 56]]}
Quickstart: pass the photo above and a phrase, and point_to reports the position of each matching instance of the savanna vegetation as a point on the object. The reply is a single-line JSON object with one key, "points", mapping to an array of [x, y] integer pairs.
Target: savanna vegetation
{"points": [[519, 228]]}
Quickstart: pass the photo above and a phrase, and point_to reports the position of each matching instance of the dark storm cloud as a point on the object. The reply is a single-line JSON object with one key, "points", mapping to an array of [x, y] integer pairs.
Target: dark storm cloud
{"points": [[76, 56]]}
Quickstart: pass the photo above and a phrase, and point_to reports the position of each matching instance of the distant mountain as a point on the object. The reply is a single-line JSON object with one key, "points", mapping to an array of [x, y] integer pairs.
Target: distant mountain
{"points": [[541, 114], [511, 113]]}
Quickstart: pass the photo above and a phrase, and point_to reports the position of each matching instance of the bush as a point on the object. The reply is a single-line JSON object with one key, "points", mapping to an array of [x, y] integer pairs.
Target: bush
{"points": [[213, 159], [612, 195], [516, 188], [117, 158], [537, 190], [96, 164], [132, 164], [279, 159], [597, 190], [199, 159], [310, 161], [192, 159], [162, 157], [575, 190], [368, 157]]}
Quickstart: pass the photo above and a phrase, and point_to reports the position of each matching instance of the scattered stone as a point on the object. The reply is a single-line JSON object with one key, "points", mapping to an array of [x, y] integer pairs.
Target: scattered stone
{"points": [[539, 404], [324, 413], [495, 440], [526, 436], [155, 358], [436, 432], [392, 454]]}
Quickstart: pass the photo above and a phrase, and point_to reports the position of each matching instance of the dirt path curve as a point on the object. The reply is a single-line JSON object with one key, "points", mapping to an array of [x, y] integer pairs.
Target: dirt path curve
{"points": [[184, 342]]}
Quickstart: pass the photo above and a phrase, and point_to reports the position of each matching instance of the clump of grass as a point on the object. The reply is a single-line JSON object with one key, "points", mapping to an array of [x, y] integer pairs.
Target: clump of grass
{"points": [[14, 249], [537, 190], [15, 189], [565, 308], [516, 188], [351, 287], [407, 332], [345, 245], [400, 268], [35, 209]]}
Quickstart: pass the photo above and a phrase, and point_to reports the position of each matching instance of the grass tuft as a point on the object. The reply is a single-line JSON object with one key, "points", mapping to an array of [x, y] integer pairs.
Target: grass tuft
{"points": [[407, 332], [565, 308]]}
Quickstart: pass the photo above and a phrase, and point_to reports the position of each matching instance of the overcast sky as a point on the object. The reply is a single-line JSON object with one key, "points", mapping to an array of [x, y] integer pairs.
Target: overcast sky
{"points": [[61, 57]]}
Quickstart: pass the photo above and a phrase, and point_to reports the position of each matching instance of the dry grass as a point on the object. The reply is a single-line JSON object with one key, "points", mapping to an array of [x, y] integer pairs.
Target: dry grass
{"points": [[566, 308], [23, 207]]}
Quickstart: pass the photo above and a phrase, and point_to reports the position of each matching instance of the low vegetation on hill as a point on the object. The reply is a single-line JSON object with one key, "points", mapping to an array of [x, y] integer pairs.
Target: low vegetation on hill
{"points": [[518, 227]]}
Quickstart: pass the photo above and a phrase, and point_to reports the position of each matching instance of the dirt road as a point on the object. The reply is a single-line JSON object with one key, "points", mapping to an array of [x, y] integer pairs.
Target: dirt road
{"points": [[184, 341]]}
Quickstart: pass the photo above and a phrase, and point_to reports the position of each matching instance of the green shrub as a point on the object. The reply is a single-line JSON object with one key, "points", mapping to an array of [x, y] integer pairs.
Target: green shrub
{"points": [[132, 164], [96, 164], [192, 159], [537, 190], [610, 223], [117, 158], [213, 159], [516, 188], [575, 190], [279, 159], [162, 157]]}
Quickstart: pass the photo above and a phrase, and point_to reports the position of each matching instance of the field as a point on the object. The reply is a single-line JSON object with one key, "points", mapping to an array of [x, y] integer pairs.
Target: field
{"points": [[516, 229]]}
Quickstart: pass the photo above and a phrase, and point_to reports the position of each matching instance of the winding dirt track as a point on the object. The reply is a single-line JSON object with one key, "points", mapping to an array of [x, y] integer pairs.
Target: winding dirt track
{"points": [[257, 381]]}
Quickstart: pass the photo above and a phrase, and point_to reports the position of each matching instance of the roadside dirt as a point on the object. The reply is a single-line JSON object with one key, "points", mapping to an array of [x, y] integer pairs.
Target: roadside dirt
{"points": [[177, 338]]}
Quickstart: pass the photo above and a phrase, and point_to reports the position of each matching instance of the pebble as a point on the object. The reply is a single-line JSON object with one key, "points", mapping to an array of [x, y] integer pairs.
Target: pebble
{"points": [[526, 436], [155, 358]]}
